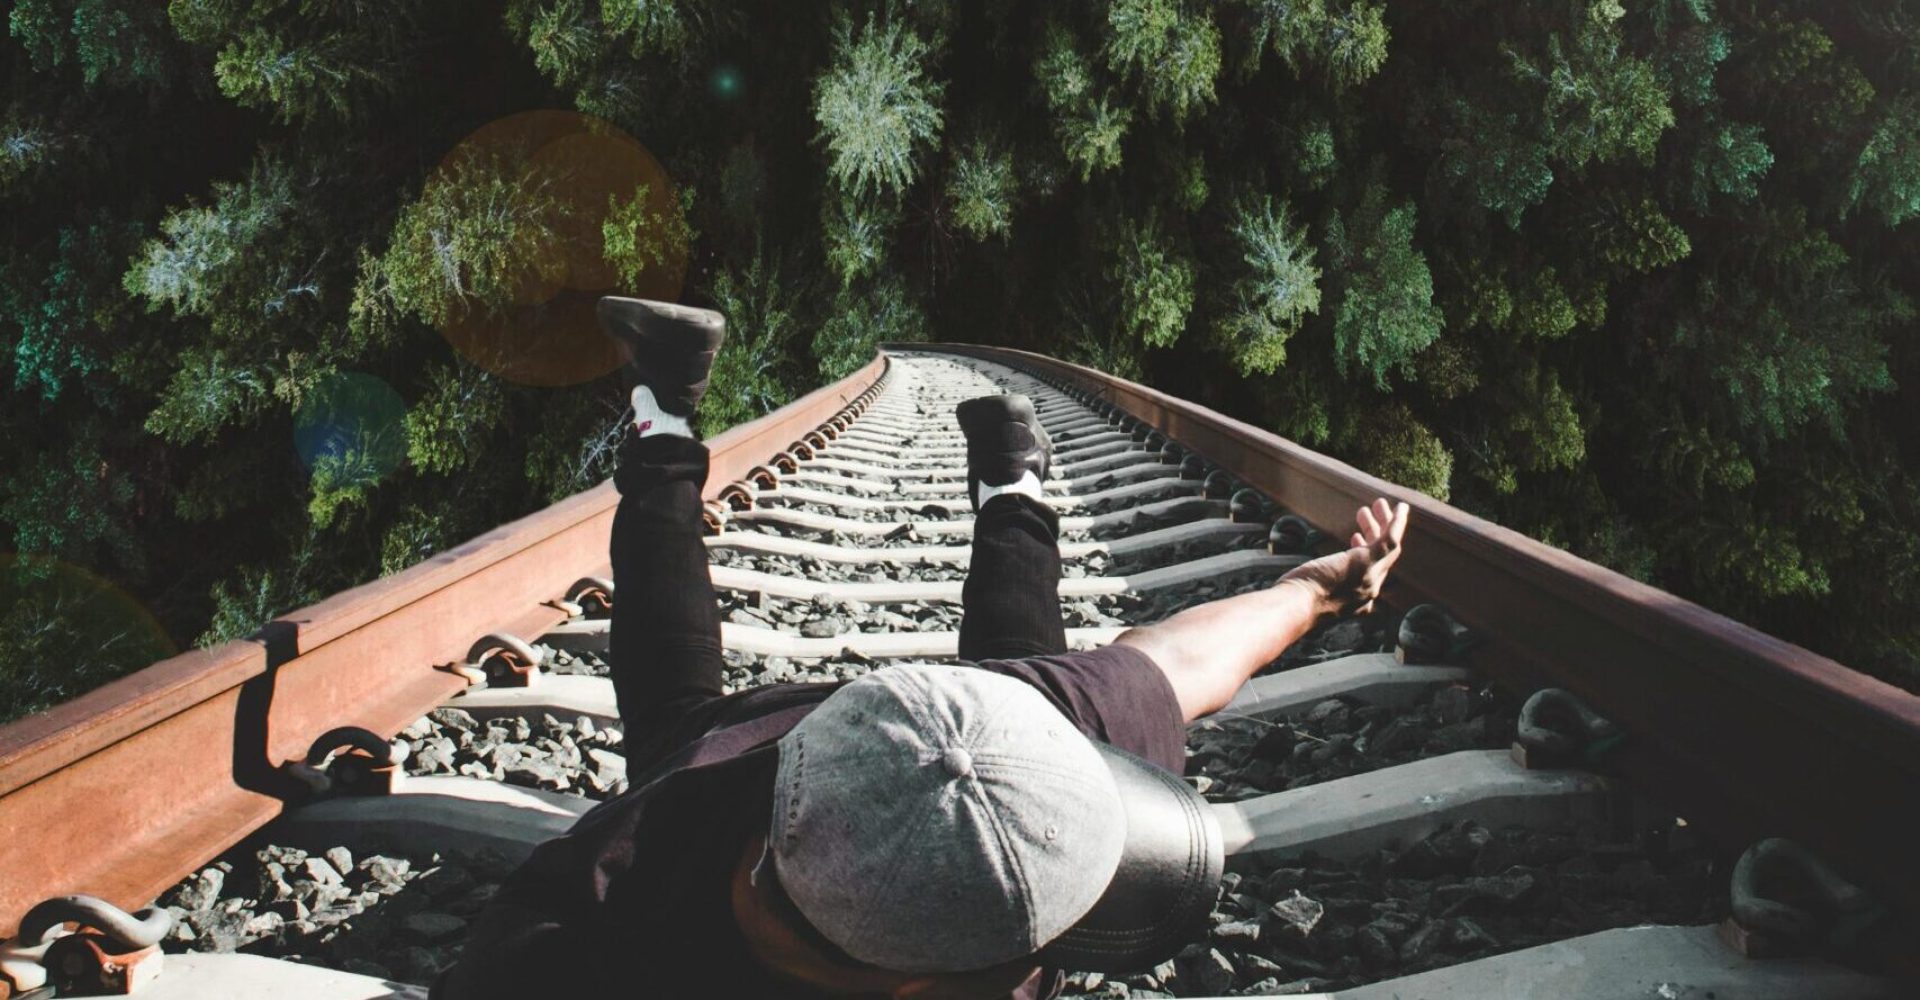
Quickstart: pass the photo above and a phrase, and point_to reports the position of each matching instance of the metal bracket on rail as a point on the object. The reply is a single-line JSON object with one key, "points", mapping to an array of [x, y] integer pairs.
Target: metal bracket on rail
{"points": [[1247, 506], [350, 760], [1171, 454], [589, 595], [1219, 485], [1429, 636], [1557, 729], [503, 661], [738, 495], [763, 477], [800, 450], [588, 589], [1193, 467], [786, 462], [105, 951], [1787, 901], [714, 516], [1291, 535]]}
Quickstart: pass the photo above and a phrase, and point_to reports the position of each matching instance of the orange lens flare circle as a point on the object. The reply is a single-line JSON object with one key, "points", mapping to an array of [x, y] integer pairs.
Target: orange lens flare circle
{"points": [[592, 176]]}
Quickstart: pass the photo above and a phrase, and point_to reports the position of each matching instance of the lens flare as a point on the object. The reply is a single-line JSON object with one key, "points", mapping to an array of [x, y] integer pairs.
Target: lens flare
{"points": [[352, 429], [66, 631], [617, 230], [726, 82]]}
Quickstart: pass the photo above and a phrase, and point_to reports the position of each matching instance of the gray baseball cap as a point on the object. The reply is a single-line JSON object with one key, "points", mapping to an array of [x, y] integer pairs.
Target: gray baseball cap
{"points": [[937, 818]]}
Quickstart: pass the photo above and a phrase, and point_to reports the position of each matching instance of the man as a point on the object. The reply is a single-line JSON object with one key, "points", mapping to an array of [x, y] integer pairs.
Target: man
{"points": [[936, 831]]}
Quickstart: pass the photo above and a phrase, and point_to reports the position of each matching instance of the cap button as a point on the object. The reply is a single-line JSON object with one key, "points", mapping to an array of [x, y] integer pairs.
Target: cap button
{"points": [[958, 762]]}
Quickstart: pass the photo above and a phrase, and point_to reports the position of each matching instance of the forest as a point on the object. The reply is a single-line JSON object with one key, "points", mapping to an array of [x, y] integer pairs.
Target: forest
{"points": [[295, 293]]}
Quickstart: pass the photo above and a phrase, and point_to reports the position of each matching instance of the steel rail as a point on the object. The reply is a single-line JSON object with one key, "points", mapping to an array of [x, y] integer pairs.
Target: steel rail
{"points": [[123, 791], [1744, 734]]}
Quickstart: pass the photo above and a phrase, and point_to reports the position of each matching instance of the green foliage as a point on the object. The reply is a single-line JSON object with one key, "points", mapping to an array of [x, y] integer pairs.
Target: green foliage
{"points": [[855, 232], [1887, 178], [1798, 340], [301, 59], [561, 459], [62, 313], [1392, 443], [862, 318], [1314, 160], [875, 107], [636, 238], [1088, 123], [1344, 43], [1730, 162], [80, 625], [1638, 237], [765, 305], [1275, 292], [1386, 314], [244, 603], [448, 428], [111, 42], [1170, 47], [981, 190], [201, 261], [485, 232], [1486, 151], [1152, 280], [64, 506], [1599, 102], [1635, 279], [27, 146]]}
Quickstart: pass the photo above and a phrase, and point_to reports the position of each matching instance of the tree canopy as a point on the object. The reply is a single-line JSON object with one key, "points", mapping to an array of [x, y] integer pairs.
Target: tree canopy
{"points": [[1635, 277]]}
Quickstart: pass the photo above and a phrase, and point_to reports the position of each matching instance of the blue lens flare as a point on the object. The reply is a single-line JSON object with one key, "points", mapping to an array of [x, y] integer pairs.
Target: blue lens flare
{"points": [[352, 429], [726, 82]]}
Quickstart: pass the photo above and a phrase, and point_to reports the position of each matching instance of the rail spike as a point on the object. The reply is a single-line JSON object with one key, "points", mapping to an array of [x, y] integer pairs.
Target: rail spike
{"points": [[764, 477], [592, 595], [1788, 901], [506, 660], [1291, 535], [108, 951], [1557, 729], [1171, 454], [1429, 636], [349, 760], [1194, 467], [1247, 506], [738, 495], [714, 516]]}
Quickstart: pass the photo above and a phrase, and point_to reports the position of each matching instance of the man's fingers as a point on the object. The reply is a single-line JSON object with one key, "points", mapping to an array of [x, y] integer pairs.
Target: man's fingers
{"points": [[1401, 515], [1369, 528], [1358, 542]]}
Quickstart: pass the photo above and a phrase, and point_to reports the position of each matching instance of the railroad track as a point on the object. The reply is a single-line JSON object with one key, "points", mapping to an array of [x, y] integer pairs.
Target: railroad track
{"points": [[1406, 814]]}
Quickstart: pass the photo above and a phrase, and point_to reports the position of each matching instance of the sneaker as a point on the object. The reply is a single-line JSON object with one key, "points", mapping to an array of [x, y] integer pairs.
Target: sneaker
{"points": [[1005, 443], [668, 349]]}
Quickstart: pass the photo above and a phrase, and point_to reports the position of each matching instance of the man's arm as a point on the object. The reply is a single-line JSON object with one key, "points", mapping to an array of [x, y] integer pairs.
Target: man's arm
{"points": [[1208, 652]]}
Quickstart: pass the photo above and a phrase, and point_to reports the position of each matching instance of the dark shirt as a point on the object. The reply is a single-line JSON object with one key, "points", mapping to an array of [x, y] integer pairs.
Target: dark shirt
{"points": [[635, 899]]}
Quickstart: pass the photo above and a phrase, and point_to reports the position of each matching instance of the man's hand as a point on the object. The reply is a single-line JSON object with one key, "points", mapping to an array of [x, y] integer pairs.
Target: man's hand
{"points": [[1349, 581]]}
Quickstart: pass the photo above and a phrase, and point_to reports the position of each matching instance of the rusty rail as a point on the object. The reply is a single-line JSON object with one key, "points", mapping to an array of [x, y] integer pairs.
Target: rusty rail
{"points": [[1741, 733], [123, 791]]}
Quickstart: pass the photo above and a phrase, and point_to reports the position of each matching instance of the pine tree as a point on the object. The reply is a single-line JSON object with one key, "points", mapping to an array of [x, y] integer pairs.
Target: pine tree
{"points": [[1276, 291], [876, 107], [1386, 314]]}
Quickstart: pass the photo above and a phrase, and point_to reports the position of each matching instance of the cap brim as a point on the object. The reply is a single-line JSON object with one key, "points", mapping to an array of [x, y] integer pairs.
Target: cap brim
{"points": [[1168, 879]]}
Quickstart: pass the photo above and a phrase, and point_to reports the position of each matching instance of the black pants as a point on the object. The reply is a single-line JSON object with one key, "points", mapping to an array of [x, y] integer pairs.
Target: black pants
{"points": [[665, 651]]}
